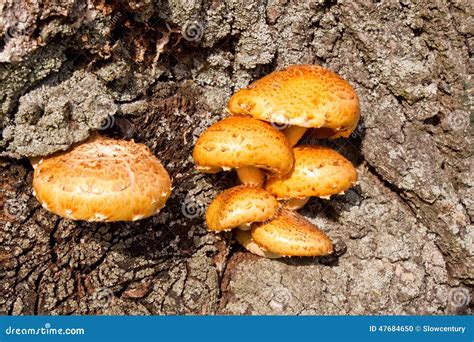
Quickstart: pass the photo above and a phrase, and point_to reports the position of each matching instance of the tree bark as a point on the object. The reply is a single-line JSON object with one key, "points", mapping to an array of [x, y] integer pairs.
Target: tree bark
{"points": [[160, 73]]}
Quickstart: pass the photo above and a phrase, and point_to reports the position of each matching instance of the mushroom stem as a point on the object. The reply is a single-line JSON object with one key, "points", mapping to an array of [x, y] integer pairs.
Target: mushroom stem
{"points": [[250, 175], [245, 227], [34, 161], [296, 203], [294, 134]]}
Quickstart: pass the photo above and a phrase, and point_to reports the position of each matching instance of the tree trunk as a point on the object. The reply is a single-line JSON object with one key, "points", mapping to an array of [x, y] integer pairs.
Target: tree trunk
{"points": [[160, 73]]}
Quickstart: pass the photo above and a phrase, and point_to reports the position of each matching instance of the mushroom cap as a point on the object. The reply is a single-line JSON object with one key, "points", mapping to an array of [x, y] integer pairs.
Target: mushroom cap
{"points": [[102, 179], [300, 95], [240, 205], [290, 234], [239, 141], [319, 171], [244, 237]]}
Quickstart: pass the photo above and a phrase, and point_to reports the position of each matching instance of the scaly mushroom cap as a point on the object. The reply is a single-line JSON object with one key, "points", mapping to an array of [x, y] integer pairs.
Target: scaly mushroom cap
{"points": [[240, 141], [290, 234], [244, 237], [319, 171], [300, 95], [102, 179], [240, 205]]}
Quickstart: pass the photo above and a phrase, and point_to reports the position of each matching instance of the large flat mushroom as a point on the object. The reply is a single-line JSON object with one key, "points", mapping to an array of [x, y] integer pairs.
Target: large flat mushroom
{"points": [[301, 97], [319, 171], [246, 144], [102, 179]]}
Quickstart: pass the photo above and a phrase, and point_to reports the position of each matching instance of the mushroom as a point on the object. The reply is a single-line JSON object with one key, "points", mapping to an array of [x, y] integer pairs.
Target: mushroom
{"points": [[244, 237], [246, 144], [102, 179], [301, 97], [290, 234], [240, 206], [319, 171]]}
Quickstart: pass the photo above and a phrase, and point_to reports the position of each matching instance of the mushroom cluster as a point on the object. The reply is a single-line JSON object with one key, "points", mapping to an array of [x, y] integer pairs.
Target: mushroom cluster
{"points": [[267, 119]]}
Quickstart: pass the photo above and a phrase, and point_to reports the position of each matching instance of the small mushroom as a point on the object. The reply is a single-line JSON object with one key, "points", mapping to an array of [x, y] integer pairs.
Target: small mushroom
{"points": [[240, 206], [246, 144], [244, 237], [319, 171], [290, 234], [102, 179], [302, 97]]}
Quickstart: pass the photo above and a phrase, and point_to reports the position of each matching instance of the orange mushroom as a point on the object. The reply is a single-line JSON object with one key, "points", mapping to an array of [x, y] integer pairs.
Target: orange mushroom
{"points": [[102, 179], [319, 171], [290, 234], [240, 206], [245, 144], [301, 97]]}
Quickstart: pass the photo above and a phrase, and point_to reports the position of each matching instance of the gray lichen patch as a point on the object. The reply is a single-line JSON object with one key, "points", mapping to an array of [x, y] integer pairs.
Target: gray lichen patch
{"points": [[52, 118], [127, 83], [15, 79]]}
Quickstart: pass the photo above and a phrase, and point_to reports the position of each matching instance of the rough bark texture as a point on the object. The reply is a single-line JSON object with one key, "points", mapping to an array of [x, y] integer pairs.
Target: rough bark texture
{"points": [[160, 72]]}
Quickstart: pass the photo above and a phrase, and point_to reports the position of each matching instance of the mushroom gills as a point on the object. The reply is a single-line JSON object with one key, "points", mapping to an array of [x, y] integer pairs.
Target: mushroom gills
{"points": [[244, 237], [296, 203]]}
